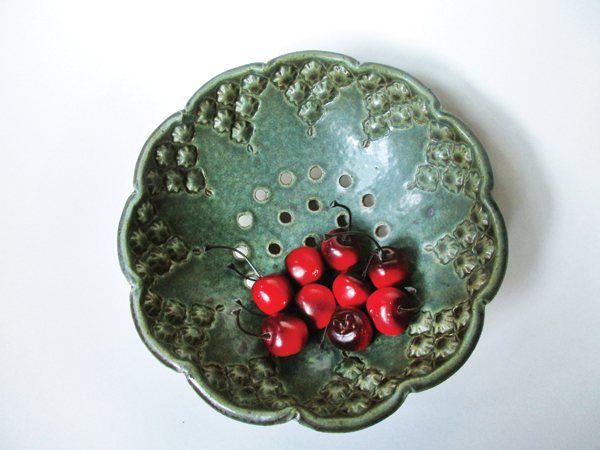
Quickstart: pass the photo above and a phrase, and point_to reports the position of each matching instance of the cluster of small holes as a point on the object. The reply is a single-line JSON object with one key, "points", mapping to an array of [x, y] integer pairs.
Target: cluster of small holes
{"points": [[286, 179]]}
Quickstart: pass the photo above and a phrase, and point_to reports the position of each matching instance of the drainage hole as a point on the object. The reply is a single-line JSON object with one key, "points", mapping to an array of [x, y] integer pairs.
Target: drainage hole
{"points": [[245, 220], [368, 200], [286, 178], [311, 241], [345, 181], [314, 204], [274, 248], [382, 231], [261, 194], [285, 217], [315, 173], [342, 220], [241, 248]]}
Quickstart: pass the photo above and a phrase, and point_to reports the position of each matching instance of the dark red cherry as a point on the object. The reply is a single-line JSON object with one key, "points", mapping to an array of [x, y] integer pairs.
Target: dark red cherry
{"points": [[304, 264], [350, 330], [317, 304], [284, 334], [351, 290], [391, 310], [340, 252], [272, 293], [388, 267]]}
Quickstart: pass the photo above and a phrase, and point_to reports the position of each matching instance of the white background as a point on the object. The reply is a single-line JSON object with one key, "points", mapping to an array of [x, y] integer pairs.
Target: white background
{"points": [[82, 86]]}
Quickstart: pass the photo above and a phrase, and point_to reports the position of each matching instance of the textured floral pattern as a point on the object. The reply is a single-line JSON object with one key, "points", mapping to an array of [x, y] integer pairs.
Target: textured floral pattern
{"points": [[187, 156], [310, 112], [324, 91], [465, 263], [427, 178], [297, 92], [242, 131], [371, 82], [398, 92], [284, 76], [223, 120], [173, 181], [246, 106], [312, 72], [376, 127], [206, 112], [165, 155], [254, 84], [446, 249], [183, 133], [399, 117], [465, 233], [195, 181], [227, 93], [377, 103], [452, 179], [438, 154], [340, 75]]}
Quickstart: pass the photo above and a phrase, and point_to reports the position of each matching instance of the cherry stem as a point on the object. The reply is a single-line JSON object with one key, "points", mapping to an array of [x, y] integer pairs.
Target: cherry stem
{"points": [[358, 233], [321, 344], [413, 292], [236, 313], [241, 305], [210, 247], [232, 267], [335, 204]]}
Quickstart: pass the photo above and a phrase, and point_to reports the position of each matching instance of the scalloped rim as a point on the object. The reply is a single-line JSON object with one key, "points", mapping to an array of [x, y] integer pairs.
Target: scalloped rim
{"points": [[390, 405]]}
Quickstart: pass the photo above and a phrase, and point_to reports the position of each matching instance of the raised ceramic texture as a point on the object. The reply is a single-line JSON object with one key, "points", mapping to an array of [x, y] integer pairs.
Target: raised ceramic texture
{"points": [[278, 137]]}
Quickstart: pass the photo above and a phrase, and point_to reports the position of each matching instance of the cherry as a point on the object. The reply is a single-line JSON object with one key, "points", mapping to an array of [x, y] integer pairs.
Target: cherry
{"points": [[304, 264], [283, 334], [351, 290], [391, 310], [287, 334], [340, 252], [388, 267], [350, 330], [271, 293], [317, 304]]}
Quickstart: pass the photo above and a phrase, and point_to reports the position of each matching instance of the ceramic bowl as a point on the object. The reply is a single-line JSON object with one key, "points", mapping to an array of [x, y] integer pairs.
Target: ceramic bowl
{"points": [[253, 162]]}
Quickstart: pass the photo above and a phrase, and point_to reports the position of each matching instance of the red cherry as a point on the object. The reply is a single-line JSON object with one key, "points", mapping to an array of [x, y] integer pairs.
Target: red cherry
{"points": [[272, 293], [350, 330], [391, 310], [284, 334], [317, 303], [350, 290], [304, 264], [339, 252], [389, 270]]}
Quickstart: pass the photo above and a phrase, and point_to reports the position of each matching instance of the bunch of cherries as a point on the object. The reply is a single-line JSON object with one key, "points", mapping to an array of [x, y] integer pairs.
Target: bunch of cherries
{"points": [[339, 310]]}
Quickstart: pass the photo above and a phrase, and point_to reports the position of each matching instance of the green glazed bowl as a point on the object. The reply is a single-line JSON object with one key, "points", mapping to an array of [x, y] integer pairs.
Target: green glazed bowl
{"points": [[254, 161]]}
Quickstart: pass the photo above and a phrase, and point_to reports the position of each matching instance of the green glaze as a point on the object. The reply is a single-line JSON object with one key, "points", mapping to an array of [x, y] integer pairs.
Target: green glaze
{"points": [[210, 166]]}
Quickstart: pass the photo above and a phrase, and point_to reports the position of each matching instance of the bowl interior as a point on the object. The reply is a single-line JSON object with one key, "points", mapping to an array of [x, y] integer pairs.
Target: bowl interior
{"points": [[254, 162]]}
